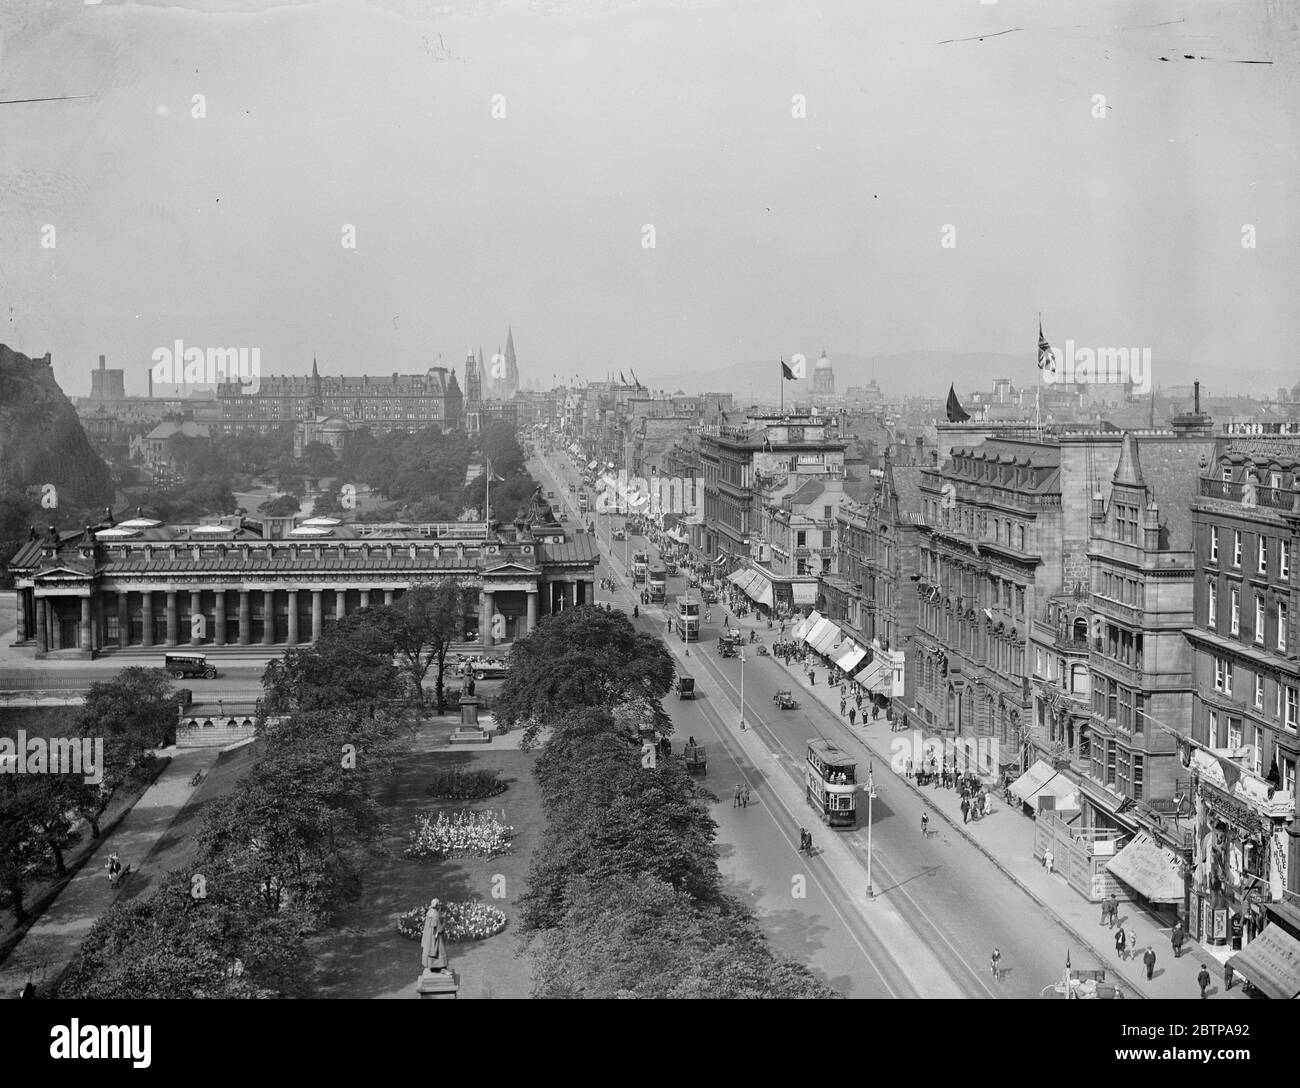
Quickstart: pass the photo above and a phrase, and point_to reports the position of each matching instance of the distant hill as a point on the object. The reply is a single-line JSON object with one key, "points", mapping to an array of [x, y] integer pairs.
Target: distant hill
{"points": [[929, 373], [41, 440]]}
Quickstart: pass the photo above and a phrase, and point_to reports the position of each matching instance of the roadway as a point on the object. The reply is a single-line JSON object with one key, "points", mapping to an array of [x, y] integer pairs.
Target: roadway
{"points": [[956, 905]]}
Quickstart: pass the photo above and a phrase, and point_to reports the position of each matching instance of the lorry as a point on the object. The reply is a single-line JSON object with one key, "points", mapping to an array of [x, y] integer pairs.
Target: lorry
{"points": [[640, 567], [685, 612], [658, 582]]}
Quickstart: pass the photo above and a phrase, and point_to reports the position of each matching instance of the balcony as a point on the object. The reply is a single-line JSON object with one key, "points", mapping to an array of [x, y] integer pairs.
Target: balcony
{"points": [[1275, 498]]}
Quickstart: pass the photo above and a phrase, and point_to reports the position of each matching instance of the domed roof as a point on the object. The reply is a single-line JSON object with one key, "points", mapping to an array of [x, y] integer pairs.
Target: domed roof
{"points": [[823, 363]]}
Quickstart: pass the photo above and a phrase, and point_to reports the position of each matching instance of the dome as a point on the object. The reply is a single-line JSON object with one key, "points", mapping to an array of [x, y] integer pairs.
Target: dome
{"points": [[823, 363]]}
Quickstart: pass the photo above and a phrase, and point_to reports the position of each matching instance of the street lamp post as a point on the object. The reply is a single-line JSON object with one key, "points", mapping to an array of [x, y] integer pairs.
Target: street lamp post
{"points": [[742, 693], [871, 796]]}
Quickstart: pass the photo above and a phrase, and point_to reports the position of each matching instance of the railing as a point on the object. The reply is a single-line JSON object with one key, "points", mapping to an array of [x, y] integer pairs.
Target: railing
{"points": [[1276, 498]]}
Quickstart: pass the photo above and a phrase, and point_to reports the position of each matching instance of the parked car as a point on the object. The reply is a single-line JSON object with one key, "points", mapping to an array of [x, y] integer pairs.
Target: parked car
{"points": [[489, 668], [619, 534], [186, 665]]}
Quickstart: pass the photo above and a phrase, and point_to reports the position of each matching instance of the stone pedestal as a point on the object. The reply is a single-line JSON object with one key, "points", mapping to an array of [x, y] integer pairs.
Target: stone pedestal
{"points": [[437, 984], [469, 712]]}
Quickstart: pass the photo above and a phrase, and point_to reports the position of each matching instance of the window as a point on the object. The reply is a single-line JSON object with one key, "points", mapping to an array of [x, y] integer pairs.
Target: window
{"points": [[826, 513], [1126, 518], [1038, 661], [1227, 474], [1284, 559], [1110, 764], [1138, 760], [800, 539], [1262, 558], [1214, 543], [1236, 547], [1259, 691], [1292, 707], [826, 538], [1212, 730], [1223, 675], [1234, 733], [1258, 746], [1281, 625], [1235, 618], [1020, 537], [1213, 615], [1287, 767], [1259, 618]]}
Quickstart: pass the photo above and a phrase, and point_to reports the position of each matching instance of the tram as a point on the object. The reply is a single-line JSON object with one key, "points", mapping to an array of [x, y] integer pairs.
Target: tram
{"points": [[831, 784]]}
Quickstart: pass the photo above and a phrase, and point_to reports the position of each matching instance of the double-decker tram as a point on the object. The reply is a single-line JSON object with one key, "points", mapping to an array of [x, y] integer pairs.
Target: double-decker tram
{"points": [[831, 784]]}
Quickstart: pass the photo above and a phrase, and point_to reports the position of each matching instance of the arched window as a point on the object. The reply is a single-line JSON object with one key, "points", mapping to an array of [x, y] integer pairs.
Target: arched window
{"points": [[1020, 537]]}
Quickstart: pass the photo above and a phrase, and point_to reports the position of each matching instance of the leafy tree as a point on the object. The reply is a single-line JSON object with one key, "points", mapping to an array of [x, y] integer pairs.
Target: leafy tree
{"points": [[423, 623], [350, 665], [584, 657], [280, 507], [318, 460], [21, 843]]}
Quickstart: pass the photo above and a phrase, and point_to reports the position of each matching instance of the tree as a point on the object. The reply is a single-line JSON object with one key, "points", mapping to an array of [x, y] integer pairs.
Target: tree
{"points": [[584, 657], [20, 839], [423, 623], [350, 665], [280, 507]]}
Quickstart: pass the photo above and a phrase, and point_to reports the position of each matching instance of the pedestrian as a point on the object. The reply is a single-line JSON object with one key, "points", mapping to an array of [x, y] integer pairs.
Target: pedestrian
{"points": [[1149, 958], [842, 704], [812, 679], [1049, 860], [909, 768], [1120, 942], [1227, 977], [1204, 979], [735, 799], [1176, 939], [1112, 905], [1105, 910], [925, 825], [744, 797], [965, 811], [852, 715], [858, 699], [996, 961]]}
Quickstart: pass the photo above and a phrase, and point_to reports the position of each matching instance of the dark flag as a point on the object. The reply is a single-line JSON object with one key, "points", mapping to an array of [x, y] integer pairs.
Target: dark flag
{"points": [[1046, 353], [956, 413], [786, 372]]}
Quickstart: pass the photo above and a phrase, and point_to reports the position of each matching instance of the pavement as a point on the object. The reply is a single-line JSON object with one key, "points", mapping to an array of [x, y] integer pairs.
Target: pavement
{"points": [[52, 941], [1006, 837]]}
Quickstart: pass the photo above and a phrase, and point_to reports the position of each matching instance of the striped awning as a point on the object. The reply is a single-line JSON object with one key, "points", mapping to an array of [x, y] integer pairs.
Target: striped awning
{"points": [[877, 677], [825, 637], [851, 656], [805, 625], [1150, 869], [1272, 963]]}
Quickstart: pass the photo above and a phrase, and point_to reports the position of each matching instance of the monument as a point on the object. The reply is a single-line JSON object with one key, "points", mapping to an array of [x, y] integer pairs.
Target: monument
{"points": [[437, 979]]}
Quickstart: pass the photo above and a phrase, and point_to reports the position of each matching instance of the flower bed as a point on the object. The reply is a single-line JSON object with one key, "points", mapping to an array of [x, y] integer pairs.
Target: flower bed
{"points": [[465, 785], [465, 835], [465, 920]]}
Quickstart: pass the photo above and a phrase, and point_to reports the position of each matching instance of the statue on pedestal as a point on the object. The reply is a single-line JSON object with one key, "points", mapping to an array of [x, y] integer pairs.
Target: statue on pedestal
{"points": [[433, 942]]}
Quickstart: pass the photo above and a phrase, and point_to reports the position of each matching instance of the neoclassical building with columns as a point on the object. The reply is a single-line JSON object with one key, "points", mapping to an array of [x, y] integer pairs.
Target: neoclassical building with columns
{"points": [[231, 581]]}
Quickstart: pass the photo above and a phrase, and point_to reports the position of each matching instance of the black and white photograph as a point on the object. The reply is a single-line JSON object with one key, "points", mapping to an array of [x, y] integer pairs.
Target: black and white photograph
{"points": [[651, 499]]}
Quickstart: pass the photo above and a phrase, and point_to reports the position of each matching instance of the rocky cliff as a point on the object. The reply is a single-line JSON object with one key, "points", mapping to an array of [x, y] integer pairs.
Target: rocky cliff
{"points": [[41, 440]]}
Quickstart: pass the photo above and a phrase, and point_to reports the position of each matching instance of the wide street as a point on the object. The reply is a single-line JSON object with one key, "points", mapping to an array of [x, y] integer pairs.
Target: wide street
{"points": [[956, 905]]}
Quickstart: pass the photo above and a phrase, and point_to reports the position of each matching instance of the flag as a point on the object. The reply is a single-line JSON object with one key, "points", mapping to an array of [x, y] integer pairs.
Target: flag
{"points": [[490, 474], [956, 413], [786, 372], [1046, 353], [1231, 773], [622, 379]]}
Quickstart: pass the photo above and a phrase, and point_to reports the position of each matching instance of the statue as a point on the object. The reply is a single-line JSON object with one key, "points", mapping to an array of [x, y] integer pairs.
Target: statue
{"points": [[433, 943], [469, 685]]}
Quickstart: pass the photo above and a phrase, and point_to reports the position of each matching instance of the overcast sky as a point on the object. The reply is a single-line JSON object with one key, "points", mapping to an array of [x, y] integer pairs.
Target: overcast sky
{"points": [[773, 233]]}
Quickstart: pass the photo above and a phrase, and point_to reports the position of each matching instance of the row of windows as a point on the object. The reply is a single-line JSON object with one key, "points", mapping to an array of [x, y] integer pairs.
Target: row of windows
{"points": [[1230, 731], [1286, 698], [1279, 548], [1118, 767], [1130, 591], [966, 519], [1262, 613], [1007, 657]]}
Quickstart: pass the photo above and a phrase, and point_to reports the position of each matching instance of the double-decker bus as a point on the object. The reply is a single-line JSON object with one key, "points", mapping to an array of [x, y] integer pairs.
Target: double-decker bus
{"points": [[686, 618], [582, 502], [658, 582], [831, 784], [640, 565]]}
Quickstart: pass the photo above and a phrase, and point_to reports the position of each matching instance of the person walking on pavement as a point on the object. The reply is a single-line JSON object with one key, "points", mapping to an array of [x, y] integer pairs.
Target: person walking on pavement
{"points": [[925, 825], [1176, 939], [1049, 861], [852, 715], [1204, 980], [1227, 977], [735, 797], [996, 960], [1149, 958], [744, 797], [812, 679], [965, 811], [842, 705], [1120, 943]]}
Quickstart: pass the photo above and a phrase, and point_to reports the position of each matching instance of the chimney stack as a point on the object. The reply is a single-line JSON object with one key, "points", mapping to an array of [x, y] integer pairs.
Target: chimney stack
{"points": [[1196, 397]]}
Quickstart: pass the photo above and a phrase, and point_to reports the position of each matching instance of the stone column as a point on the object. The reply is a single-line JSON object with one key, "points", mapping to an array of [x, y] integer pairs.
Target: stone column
{"points": [[42, 626], [219, 635], [173, 619], [21, 598], [532, 610], [340, 603], [293, 617], [316, 619], [365, 598], [196, 609], [245, 617], [488, 609], [388, 596], [146, 618], [268, 617], [123, 620], [84, 631]]}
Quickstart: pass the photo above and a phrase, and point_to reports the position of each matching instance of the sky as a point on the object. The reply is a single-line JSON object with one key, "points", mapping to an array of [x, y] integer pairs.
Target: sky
{"points": [[1120, 219]]}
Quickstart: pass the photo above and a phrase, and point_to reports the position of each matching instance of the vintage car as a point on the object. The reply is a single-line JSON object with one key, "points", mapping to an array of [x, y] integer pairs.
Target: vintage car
{"points": [[620, 534], [182, 666], [685, 686], [785, 700]]}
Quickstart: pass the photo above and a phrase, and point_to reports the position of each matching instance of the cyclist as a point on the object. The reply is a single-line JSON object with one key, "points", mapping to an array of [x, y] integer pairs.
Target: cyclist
{"points": [[996, 960], [925, 823]]}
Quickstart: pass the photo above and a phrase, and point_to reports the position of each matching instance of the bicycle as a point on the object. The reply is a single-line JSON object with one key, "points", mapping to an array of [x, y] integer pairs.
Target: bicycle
{"points": [[995, 962]]}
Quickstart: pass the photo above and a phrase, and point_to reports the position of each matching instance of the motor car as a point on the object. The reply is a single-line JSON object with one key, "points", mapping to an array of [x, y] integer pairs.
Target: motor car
{"points": [[489, 668], [182, 666], [619, 534], [564, 516]]}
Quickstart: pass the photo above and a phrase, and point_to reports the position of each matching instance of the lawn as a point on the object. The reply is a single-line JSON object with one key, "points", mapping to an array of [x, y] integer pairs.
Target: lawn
{"points": [[363, 955]]}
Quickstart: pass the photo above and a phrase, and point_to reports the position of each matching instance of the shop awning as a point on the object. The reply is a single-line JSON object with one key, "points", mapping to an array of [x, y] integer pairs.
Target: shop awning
{"points": [[754, 584], [1272, 962], [851, 657], [804, 592], [803, 627], [1150, 869], [816, 628], [720, 560], [1032, 780], [877, 677], [825, 637]]}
